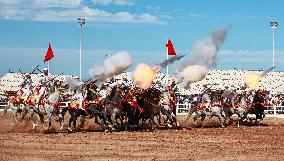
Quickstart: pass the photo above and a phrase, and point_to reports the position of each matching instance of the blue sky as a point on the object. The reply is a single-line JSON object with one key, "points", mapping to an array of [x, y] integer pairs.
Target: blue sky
{"points": [[138, 26]]}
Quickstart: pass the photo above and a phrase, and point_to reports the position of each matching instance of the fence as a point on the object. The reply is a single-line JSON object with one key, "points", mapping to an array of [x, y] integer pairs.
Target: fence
{"points": [[182, 109], [4, 104]]}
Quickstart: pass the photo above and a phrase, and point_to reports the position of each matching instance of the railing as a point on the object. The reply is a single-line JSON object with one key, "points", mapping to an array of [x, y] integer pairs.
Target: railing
{"points": [[4, 104], [182, 109]]}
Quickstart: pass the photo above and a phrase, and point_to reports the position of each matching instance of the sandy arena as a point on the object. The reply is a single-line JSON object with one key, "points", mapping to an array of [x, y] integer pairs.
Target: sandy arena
{"points": [[264, 142]]}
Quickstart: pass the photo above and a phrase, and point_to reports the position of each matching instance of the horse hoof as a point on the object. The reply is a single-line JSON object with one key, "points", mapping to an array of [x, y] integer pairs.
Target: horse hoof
{"points": [[169, 125], [179, 128]]}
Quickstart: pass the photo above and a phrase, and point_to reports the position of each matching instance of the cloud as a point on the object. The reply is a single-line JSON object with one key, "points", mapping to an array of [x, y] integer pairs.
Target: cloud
{"points": [[58, 3], [71, 14], [196, 15], [41, 3], [9, 2], [115, 2]]}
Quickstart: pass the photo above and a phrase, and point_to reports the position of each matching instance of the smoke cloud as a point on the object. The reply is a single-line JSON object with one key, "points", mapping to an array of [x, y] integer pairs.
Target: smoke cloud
{"points": [[112, 66], [191, 74], [204, 56]]}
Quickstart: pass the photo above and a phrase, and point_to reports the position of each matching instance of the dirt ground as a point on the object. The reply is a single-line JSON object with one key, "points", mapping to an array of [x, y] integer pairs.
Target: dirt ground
{"points": [[265, 142]]}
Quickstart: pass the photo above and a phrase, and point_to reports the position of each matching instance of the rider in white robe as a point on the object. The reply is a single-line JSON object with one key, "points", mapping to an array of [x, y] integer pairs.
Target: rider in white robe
{"points": [[26, 86], [44, 82]]}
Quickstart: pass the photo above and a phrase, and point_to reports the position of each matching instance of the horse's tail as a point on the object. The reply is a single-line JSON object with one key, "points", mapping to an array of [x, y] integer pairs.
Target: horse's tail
{"points": [[5, 109], [190, 112]]}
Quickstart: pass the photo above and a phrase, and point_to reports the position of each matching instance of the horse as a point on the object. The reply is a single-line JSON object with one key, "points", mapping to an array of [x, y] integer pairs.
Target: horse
{"points": [[201, 111], [51, 106], [92, 106], [237, 106], [150, 102], [241, 108], [131, 106], [168, 110], [257, 107], [18, 106]]}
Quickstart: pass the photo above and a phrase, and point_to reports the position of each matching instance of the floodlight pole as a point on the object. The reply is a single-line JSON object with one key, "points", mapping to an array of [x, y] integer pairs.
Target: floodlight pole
{"points": [[273, 25], [81, 22]]}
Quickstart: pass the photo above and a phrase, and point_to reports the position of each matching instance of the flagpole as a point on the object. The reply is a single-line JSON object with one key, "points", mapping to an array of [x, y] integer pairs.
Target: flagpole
{"points": [[167, 66], [48, 67], [167, 80]]}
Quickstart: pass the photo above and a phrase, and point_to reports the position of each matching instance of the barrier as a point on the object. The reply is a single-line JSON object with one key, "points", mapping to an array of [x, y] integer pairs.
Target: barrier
{"points": [[182, 109], [4, 104]]}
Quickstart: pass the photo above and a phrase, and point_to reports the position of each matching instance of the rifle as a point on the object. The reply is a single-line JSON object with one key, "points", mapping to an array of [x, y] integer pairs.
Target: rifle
{"points": [[31, 72], [50, 80], [22, 74], [39, 70], [35, 69], [160, 80]]}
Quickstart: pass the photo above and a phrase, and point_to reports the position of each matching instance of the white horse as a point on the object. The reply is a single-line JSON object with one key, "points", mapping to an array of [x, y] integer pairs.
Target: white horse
{"points": [[50, 107], [239, 109], [215, 110], [17, 107], [168, 111]]}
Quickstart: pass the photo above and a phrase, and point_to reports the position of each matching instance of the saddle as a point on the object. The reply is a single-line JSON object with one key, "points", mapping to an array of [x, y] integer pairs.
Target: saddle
{"points": [[201, 106]]}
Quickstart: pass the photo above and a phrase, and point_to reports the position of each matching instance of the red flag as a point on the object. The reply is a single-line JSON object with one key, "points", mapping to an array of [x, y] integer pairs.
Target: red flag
{"points": [[49, 54], [171, 50]]}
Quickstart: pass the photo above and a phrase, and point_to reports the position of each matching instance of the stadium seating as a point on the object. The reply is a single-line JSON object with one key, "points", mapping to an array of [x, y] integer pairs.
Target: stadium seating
{"points": [[216, 80]]}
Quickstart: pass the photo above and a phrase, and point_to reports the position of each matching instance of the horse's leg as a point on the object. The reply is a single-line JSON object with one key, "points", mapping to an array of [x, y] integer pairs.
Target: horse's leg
{"points": [[175, 120], [202, 120], [74, 120], [26, 110], [239, 119], [39, 119], [5, 109], [151, 120], [99, 120], [190, 112], [15, 112], [70, 119], [82, 121], [158, 119], [49, 116], [220, 120], [61, 117]]}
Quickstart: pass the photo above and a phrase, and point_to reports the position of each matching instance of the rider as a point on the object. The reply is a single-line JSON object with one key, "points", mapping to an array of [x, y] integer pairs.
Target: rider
{"points": [[259, 98], [26, 86], [206, 101], [44, 83], [172, 94]]}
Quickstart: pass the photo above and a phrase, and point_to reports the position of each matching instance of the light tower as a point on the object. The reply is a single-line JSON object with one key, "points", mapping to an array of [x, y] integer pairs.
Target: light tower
{"points": [[81, 22], [273, 25]]}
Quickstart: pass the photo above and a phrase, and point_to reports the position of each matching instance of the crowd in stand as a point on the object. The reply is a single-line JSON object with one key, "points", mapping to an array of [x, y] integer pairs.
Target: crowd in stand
{"points": [[273, 83]]}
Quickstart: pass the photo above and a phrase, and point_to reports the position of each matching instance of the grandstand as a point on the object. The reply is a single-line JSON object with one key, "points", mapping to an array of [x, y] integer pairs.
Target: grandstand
{"points": [[234, 80], [216, 80], [12, 81]]}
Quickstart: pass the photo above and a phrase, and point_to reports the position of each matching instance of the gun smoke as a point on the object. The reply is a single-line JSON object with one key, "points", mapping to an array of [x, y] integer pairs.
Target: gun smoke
{"points": [[204, 56], [112, 66]]}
